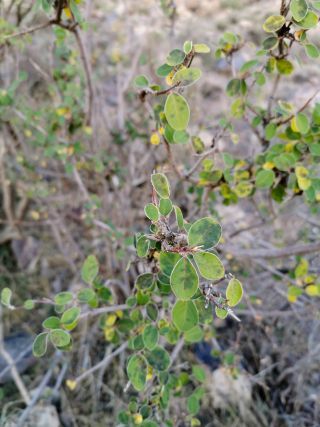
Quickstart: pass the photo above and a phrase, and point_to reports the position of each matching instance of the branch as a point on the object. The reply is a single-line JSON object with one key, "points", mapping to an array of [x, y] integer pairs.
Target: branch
{"points": [[272, 253], [103, 362]]}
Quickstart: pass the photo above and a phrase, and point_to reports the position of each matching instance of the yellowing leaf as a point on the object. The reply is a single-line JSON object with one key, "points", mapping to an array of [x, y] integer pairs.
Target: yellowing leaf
{"points": [[155, 138], [111, 319], [292, 298], [71, 384], [268, 165], [312, 290], [68, 12]]}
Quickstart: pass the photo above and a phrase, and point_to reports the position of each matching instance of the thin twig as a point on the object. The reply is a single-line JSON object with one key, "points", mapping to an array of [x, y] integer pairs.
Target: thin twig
{"points": [[103, 362], [14, 371]]}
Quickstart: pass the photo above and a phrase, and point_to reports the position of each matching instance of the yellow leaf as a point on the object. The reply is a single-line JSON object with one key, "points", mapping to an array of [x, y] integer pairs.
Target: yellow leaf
{"points": [[28, 133], [109, 333], [302, 268], [35, 215], [155, 138], [292, 298], [289, 147], [169, 78], [119, 313], [268, 165], [312, 290], [88, 130], [71, 384], [137, 419], [294, 126], [161, 130], [62, 111], [111, 319], [68, 12], [149, 373]]}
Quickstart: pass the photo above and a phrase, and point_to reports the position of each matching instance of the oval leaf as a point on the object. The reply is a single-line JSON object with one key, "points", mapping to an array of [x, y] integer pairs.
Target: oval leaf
{"points": [[177, 111], [273, 23], [299, 9], [40, 343], [234, 292], [159, 359], [150, 337], [70, 316], [152, 212], [209, 265], [184, 279], [185, 315], [187, 76], [205, 232], [137, 371], [161, 185], [59, 337], [90, 269]]}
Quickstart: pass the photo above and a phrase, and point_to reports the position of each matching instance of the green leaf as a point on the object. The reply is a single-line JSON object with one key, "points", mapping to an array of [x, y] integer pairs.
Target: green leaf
{"points": [[40, 343], [63, 298], [299, 9], [149, 423], [179, 217], [161, 185], [193, 404], [137, 370], [205, 232], [70, 316], [75, 10], [187, 76], [141, 81], [90, 269], [164, 70], [86, 295], [180, 137], [221, 312], [6, 294], [199, 373], [177, 111], [316, 4], [270, 43], [175, 57], [29, 304], [194, 335], [184, 279], [59, 337], [284, 66], [52, 322], [234, 292], [144, 281], [152, 212], [248, 65], [312, 51], [230, 37], [185, 315], [209, 265], [273, 23], [201, 48], [270, 131], [309, 21], [233, 87], [152, 311], [143, 244], [167, 261], [165, 207], [265, 178], [159, 359], [302, 122], [187, 47], [150, 337]]}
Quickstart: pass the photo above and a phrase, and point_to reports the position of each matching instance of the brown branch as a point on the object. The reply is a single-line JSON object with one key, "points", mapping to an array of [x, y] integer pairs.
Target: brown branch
{"points": [[272, 253], [87, 71]]}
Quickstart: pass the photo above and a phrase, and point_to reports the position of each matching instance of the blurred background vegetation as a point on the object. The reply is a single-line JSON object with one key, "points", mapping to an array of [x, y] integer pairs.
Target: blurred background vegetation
{"points": [[75, 164]]}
